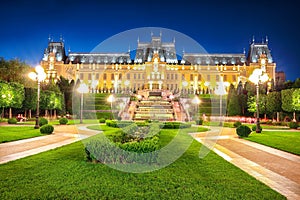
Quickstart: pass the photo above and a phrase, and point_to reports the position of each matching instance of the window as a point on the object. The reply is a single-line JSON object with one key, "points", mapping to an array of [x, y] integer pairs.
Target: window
{"points": [[225, 78], [199, 77], [139, 77], [176, 76], [120, 76], [191, 77], [104, 76], [168, 76], [128, 76], [90, 76], [172, 76], [234, 78], [112, 77], [97, 76], [134, 76]]}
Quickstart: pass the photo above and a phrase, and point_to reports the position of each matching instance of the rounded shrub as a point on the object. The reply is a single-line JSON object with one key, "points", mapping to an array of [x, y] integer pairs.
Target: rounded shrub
{"points": [[243, 131], [293, 125], [43, 121], [47, 129], [102, 120], [199, 121], [63, 120], [237, 124], [254, 128], [12, 121]]}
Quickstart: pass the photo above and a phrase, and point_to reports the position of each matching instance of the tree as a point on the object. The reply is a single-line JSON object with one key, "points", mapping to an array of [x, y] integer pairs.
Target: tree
{"points": [[273, 103], [29, 102], [286, 98], [233, 107], [296, 101], [15, 71], [12, 96], [262, 104]]}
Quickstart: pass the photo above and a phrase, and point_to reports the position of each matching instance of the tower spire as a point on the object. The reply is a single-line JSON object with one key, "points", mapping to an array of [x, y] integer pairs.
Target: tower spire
{"points": [[267, 40], [253, 39], [49, 38]]}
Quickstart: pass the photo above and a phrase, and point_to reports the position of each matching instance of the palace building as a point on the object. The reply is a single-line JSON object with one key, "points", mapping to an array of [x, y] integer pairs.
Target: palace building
{"points": [[156, 66]]}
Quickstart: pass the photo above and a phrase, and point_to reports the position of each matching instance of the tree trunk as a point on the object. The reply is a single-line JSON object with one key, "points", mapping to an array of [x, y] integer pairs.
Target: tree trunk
{"points": [[10, 113], [54, 114], [277, 117], [294, 116], [29, 113], [25, 113]]}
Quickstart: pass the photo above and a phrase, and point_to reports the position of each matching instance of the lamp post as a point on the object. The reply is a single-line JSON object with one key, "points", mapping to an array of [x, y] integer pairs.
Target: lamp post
{"points": [[196, 101], [111, 99], [82, 89], [220, 90], [258, 76], [39, 75]]}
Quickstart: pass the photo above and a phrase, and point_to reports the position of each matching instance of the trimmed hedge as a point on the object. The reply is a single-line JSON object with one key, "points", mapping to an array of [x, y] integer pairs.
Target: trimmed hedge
{"points": [[254, 128], [63, 121], [199, 121], [237, 124], [12, 121], [102, 120], [243, 131], [293, 125], [43, 121], [47, 129]]}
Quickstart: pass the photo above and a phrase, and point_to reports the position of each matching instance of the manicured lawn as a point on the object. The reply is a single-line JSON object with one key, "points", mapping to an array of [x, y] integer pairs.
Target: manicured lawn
{"points": [[284, 140], [64, 173], [12, 133]]}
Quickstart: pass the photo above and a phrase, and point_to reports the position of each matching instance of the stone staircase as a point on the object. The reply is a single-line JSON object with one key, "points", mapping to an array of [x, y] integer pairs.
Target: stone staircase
{"points": [[154, 106]]}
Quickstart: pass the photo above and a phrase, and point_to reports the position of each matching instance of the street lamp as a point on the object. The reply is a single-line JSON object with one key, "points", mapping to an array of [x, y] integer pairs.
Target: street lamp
{"points": [[220, 90], [111, 99], [196, 101], [82, 89], [39, 75], [258, 76]]}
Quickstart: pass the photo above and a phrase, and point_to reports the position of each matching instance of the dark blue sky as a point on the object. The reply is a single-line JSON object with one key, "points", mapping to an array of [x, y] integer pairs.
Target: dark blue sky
{"points": [[219, 26]]}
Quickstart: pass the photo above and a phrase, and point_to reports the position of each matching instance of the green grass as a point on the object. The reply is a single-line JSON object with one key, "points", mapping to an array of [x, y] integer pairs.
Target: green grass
{"points": [[13, 133], [63, 173], [284, 140]]}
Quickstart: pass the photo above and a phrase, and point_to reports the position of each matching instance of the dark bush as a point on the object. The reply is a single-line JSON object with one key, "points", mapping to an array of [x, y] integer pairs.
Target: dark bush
{"points": [[199, 121], [43, 121], [47, 129], [102, 120], [237, 124], [254, 128], [12, 121], [293, 125], [243, 131], [63, 120]]}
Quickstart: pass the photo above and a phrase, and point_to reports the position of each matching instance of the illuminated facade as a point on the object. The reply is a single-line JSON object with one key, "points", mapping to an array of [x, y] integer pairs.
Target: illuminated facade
{"points": [[156, 66]]}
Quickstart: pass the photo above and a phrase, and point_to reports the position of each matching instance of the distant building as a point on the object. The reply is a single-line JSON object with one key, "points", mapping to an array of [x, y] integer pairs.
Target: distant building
{"points": [[280, 77], [156, 66]]}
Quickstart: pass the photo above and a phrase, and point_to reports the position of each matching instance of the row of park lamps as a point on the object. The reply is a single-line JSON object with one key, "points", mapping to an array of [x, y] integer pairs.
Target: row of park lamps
{"points": [[258, 76]]}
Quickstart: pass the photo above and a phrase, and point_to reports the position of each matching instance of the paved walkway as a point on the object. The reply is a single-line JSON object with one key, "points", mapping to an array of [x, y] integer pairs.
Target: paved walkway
{"points": [[63, 135], [277, 169]]}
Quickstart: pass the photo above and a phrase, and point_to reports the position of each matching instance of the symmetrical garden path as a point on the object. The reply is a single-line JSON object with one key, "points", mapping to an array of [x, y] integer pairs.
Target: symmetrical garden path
{"points": [[277, 169], [63, 135]]}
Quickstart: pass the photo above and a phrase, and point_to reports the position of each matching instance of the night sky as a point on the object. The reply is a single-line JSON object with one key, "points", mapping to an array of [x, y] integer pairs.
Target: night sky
{"points": [[219, 26]]}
